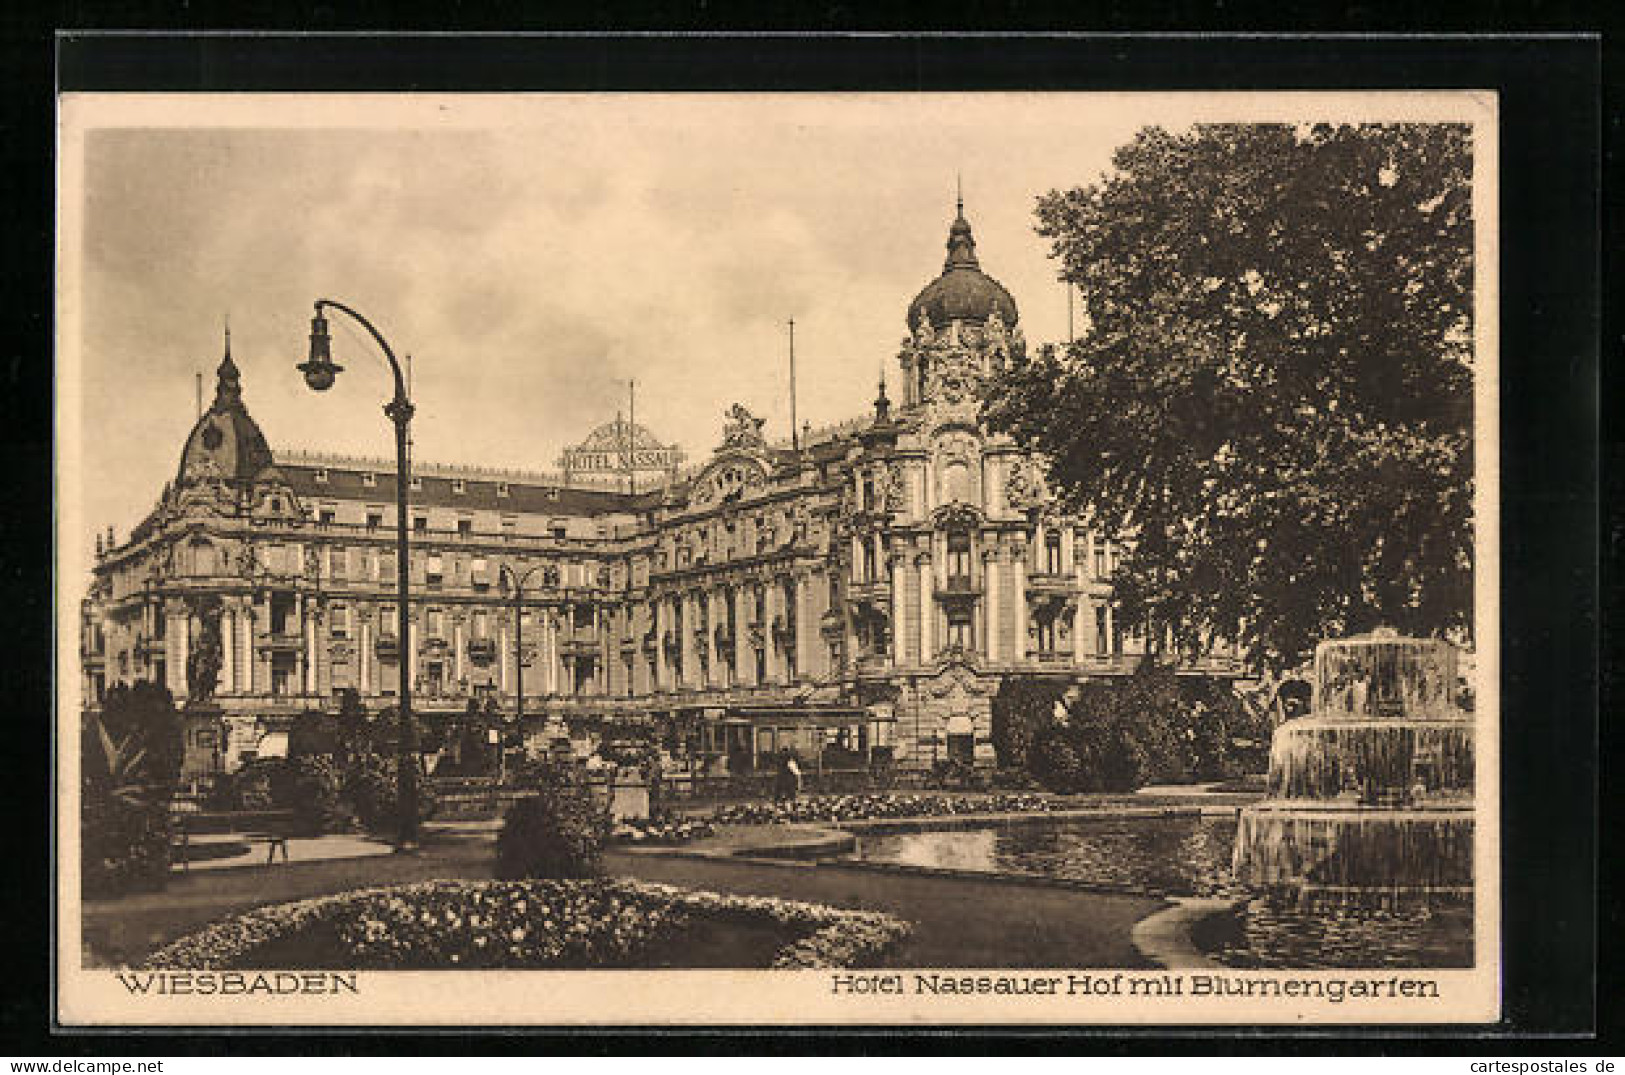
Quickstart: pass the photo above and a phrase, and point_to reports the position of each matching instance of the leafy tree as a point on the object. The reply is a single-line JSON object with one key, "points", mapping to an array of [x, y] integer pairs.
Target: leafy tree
{"points": [[314, 732], [355, 731], [1272, 403]]}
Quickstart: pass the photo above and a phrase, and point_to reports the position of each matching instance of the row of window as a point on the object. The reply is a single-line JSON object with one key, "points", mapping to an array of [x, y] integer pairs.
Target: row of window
{"points": [[369, 479], [463, 527]]}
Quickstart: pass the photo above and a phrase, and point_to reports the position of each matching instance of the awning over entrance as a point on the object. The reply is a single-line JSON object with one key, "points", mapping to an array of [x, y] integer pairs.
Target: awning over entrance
{"points": [[793, 716]]}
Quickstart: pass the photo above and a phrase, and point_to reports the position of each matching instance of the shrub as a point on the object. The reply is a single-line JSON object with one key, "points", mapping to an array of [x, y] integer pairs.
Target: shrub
{"points": [[952, 773], [1023, 707], [313, 733], [124, 845], [1055, 761], [124, 813], [312, 792], [258, 785], [371, 785], [557, 832], [1003, 779]]}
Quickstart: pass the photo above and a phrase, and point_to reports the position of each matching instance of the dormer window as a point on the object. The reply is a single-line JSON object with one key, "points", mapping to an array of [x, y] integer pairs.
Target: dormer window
{"points": [[459, 486], [369, 479], [502, 488], [417, 485], [321, 475]]}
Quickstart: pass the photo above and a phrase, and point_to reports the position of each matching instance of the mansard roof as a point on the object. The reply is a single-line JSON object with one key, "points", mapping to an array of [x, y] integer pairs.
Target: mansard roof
{"points": [[314, 481]]}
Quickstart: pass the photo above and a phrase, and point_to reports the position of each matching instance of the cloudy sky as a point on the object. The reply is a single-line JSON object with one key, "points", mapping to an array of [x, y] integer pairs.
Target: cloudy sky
{"points": [[533, 255]]}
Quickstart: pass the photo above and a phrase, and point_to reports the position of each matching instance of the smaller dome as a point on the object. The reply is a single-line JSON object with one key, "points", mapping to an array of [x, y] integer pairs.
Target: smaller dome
{"points": [[963, 292], [226, 442]]}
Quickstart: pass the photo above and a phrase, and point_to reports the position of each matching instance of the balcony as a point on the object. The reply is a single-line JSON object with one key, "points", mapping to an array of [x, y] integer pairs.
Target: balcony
{"points": [[579, 645], [869, 591], [960, 589], [482, 651], [1048, 582], [283, 641], [388, 648], [873, 664]]}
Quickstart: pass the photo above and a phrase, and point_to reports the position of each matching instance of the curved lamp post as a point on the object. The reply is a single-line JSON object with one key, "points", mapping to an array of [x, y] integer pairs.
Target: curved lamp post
{"points": [[320, 372]]}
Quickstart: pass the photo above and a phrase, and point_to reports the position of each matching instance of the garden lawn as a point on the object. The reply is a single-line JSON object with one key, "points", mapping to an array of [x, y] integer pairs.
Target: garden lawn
{"points": [[958, 922]]}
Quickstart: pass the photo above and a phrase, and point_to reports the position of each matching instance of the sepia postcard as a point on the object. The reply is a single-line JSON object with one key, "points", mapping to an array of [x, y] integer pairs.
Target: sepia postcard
{"points": [[777, 559]]}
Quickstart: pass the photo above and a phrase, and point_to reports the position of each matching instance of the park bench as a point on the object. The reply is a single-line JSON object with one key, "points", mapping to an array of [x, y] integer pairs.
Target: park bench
{"points": [[268, 827]]}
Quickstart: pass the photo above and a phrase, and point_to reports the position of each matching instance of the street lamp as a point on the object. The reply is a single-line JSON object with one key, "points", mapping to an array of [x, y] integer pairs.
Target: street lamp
{"points": [[320, 372]]}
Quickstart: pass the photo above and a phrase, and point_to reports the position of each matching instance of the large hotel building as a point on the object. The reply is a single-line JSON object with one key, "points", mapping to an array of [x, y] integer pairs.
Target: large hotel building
{"points": [[870, 584]]}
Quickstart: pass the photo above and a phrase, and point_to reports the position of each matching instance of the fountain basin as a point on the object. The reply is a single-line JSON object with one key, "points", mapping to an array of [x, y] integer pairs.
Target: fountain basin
{"points": [[1353, 853], [1387, 762]]}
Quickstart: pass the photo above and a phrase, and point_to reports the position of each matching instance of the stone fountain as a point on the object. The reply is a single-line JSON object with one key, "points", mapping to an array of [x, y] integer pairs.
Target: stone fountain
{"points": [[1370, 796]]}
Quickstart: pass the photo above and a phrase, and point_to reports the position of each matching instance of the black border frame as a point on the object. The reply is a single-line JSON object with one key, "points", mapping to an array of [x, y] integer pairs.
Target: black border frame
{"points": [[1550, 89]]}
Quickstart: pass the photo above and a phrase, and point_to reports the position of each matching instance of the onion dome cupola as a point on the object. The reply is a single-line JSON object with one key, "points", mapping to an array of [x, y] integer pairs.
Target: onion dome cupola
{"points": [[963, 292], [225, 442]]}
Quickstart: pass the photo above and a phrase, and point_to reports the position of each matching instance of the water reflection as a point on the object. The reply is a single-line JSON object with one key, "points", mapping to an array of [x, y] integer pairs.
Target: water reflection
{"points": [[1166, 856], [1190, 856]]}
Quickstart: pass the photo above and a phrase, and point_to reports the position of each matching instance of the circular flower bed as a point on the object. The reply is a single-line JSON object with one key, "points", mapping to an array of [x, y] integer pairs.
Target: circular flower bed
{"points": [[838, 808], [669, 831], [519, 924]]}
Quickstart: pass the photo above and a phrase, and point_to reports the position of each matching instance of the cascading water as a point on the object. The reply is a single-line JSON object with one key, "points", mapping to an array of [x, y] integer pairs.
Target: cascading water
{"points": [[1370, 797]]}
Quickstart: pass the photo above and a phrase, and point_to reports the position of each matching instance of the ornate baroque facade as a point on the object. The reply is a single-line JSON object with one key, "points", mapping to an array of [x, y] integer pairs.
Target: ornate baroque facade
{"points": [[875, 584]]}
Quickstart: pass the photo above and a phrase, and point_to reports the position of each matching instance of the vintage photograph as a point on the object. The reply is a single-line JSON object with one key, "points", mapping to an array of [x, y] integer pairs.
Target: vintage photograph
{"points": [[839, 558]]}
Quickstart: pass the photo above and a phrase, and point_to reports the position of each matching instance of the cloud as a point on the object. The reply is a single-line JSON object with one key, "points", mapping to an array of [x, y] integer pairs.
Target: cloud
{"points": [[532, 266]]}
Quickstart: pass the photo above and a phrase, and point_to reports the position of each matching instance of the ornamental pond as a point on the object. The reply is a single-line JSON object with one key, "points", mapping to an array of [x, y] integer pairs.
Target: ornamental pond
{"points": [[1190, 855]]}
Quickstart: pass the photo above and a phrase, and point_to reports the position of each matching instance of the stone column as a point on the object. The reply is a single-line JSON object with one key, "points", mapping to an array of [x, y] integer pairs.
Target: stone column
{"points": [[927, 612], [504, 660], [1082, 616], [744, 656], [899, 621], [990, 603], [806, 628], [1018, 564], [662, 624], [313, 649], [364, 657], [457, 655], [228, 651], [175, 651], [775, 651], [549, 649], [715, 615], [1068, 549], [246, 625]]}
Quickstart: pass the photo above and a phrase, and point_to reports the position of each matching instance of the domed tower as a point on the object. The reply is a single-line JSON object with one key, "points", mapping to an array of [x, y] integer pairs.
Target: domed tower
{"points": [[962, 326], [227, 463]]}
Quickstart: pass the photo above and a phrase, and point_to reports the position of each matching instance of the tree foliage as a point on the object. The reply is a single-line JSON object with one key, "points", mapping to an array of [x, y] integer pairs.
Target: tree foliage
{"points": [[1272, 401]]}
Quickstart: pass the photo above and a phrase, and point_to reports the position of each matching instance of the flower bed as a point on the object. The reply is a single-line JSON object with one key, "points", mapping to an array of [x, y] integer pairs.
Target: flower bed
{"points": [[517, 924], [662, 831], [837, 808]]}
